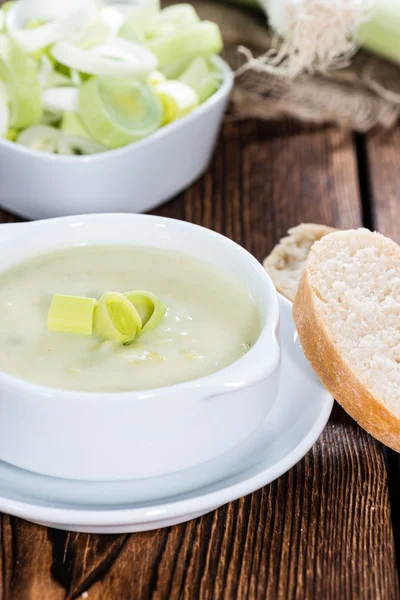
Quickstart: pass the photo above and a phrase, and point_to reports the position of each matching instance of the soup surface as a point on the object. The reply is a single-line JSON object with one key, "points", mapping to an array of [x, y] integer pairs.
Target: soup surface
{"points": [[211, 319]]}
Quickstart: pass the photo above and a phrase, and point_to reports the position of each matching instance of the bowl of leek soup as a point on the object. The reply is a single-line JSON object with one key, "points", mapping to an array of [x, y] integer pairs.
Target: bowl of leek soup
{"points": [[99, 103], [131, 346]]}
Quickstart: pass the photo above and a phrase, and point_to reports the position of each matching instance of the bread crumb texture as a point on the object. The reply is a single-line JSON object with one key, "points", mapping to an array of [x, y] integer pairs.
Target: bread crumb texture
{"points": [[286, 262], [355, 276]]}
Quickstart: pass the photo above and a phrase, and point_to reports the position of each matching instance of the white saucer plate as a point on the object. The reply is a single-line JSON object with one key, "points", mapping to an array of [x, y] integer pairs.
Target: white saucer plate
{"points": [[292, 427]]}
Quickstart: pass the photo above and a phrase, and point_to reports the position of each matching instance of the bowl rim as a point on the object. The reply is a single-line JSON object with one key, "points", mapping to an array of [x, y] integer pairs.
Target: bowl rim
{"points": [[218, 96], [268, 330]]}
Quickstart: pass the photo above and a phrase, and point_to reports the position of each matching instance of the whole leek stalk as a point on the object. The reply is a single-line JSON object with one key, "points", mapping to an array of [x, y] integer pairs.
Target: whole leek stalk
{"points": [[324, 34]]}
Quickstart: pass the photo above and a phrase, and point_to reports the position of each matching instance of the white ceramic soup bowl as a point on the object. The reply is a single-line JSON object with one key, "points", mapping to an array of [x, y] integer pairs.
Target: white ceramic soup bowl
{"points": [[111, 436], [135, 178]]}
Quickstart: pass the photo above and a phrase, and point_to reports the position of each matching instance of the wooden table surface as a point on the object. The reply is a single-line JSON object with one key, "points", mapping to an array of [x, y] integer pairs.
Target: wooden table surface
{"points": [[325, 529]]}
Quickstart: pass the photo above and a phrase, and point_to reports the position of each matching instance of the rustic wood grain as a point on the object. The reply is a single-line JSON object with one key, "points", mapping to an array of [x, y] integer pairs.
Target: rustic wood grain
{"points": [[323, 531], [381, 154], [383, 177]]}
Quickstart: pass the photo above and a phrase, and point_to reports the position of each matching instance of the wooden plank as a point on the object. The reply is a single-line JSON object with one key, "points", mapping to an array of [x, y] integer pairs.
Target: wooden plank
{"points": [[382, 163], [321, 531]]}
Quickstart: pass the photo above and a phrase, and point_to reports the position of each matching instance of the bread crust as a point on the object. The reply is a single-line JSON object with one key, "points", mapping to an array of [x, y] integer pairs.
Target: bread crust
{"points": [[336, 374]]}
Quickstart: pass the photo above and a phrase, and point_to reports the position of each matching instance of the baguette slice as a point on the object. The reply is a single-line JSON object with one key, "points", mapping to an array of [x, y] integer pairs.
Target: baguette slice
{"points": [[347, 314], [286, 262]]}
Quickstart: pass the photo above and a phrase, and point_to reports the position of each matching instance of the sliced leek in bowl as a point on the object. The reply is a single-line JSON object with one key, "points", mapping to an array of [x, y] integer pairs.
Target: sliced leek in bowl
{"points": [[118, 71], [90, 178]]}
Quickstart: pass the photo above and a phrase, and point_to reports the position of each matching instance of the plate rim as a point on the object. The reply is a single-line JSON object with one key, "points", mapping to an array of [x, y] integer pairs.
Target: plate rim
{"points": [[160, 512]]}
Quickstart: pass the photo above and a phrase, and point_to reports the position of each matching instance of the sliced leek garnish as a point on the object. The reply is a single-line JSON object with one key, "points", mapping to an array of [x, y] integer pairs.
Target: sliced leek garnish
{"points": [[201, 77], [201, 39], [116, 113], [118, 317], [177, 98], [115, 318], [150, 308], [19, 73], [71, 314]]}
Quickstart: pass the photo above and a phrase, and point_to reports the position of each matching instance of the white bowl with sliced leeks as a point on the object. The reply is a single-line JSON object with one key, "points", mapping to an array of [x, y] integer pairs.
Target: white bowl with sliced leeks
{"points": [[105, 107], [131, 346]]}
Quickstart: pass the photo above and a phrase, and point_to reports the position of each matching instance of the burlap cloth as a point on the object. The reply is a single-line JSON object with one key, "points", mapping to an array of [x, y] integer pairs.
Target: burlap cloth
{"points": [[362, 96]]}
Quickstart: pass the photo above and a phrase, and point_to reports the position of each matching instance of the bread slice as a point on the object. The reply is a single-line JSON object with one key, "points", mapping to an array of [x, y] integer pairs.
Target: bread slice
{"points": [[286, 262], [347, 314]]}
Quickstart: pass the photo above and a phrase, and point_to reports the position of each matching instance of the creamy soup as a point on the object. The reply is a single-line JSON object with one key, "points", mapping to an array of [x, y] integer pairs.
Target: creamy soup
{"points": [[211, 319]]}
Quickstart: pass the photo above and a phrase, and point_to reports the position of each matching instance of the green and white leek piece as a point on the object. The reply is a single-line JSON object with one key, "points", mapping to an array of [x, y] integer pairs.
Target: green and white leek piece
{"points": [[48, 118], [115, 58], [45, 138], [97, 32], [201, 39], [155, 77], [171, 19], [71, 314], [175, 68], [81, 144], [201, 76], [178, 99], [115, 318], [132, 32], [72, 123], [60, 19], [108, 23], [137, 20], [4, 111], [117, 112], [77, 136], [150, 308], [46, 70], [57, 79], [61, 99], [50, 139], [20, 74]]}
